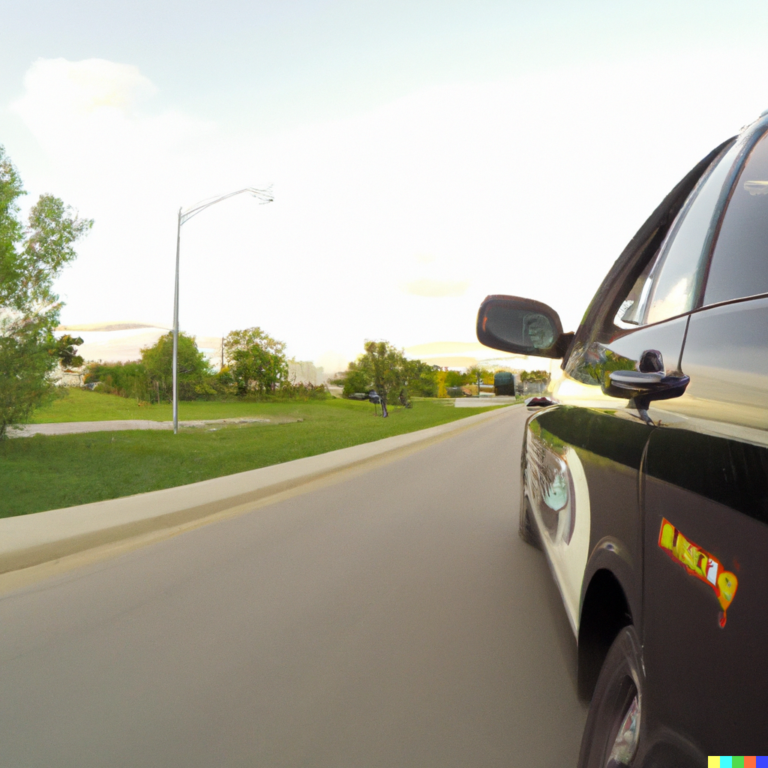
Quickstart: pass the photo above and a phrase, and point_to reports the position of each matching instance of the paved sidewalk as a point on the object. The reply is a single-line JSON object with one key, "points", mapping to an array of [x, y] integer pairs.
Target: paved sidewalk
{"points": [[76, 427]]}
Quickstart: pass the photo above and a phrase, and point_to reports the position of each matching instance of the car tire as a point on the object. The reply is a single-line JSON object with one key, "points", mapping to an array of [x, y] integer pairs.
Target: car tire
{"points": [[613, 729], [527, 530]]}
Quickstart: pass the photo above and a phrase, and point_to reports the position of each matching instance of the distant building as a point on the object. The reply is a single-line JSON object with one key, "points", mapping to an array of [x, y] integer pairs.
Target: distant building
{"points": [[304, 372]]}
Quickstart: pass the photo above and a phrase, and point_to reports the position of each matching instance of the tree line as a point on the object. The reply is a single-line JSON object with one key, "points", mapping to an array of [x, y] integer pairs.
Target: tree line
{"points": [[255, 366]]}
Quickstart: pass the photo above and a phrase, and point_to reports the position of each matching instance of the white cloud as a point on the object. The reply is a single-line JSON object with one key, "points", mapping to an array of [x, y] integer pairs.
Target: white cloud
{"points": [[60, 90]]}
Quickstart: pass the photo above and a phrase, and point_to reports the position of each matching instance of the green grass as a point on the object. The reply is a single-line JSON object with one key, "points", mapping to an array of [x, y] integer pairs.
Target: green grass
{"points": [[82, 405], [51, 472]]}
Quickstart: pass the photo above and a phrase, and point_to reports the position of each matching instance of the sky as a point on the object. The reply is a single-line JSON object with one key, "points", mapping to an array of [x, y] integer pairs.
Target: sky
{"points": [[422, 154]]}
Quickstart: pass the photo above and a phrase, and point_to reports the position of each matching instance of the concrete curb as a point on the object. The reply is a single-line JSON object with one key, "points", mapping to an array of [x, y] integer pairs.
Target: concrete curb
{"points": [[38, 538]]}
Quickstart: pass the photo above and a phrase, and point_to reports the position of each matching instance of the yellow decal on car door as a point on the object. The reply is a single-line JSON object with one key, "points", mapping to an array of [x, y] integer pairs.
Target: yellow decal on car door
{"points": [[700, 564]]}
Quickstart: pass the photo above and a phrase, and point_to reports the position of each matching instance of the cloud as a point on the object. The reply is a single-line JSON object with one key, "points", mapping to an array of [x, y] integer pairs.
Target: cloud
{"points": [[60, 89], [96, 116], [435, 288]]}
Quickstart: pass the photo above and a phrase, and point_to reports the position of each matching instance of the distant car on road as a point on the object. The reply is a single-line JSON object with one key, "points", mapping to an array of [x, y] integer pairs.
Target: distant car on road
{"points": [[538, 401], [646, 484]]}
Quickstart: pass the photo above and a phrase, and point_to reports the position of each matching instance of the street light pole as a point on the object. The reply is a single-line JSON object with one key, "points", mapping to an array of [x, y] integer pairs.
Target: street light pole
{"points": [[263, 196], [176, 332]]}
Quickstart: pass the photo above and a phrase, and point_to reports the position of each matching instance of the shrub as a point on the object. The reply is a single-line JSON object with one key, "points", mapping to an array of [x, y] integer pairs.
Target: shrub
{"points": [[124, 379]]}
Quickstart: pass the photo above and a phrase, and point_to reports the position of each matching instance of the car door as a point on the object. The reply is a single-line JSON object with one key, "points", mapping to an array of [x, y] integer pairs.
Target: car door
{"points": [[583, 456], [705, 497]]}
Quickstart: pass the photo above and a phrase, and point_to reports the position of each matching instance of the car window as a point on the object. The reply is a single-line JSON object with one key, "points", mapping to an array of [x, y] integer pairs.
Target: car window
{"points": [[632, 308], [739, 265], [673, 280], [678, 255]]}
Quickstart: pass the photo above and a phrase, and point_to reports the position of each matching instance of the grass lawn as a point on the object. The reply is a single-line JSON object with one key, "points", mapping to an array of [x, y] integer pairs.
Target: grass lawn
{"points": [[82, 405], [50, 472]]}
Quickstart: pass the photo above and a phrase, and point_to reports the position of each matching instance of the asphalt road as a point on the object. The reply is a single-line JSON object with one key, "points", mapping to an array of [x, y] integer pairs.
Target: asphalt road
{"points": [[390, 617]]}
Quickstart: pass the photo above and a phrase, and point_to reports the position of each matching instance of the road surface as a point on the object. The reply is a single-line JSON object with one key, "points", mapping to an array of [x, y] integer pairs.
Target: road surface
{"points": [[389, 617]]}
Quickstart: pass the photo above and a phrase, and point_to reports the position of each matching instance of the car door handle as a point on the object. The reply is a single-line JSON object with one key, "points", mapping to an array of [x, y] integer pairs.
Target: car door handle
{"points": [[648, 383], [635, 379]]}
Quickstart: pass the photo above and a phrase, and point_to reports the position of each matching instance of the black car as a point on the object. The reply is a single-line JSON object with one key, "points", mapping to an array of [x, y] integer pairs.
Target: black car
{"points": [[645, 481]]}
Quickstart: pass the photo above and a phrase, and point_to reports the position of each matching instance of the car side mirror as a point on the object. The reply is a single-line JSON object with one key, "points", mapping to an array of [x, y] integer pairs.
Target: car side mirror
{"points": [[523, 326]]}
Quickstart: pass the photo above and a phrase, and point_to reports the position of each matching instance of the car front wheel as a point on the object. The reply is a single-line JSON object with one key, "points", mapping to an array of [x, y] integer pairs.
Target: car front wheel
{"points": [[612, 732]]}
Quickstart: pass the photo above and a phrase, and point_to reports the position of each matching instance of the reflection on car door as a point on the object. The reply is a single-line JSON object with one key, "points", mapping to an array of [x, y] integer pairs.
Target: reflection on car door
{"points": [[706, 575], [582, 463], [705, 497], [606, 437]]}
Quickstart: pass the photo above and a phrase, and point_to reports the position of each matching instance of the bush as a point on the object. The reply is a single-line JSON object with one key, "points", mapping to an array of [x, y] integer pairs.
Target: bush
{"points": [[124, 379], [151, 378], [301, 391]]}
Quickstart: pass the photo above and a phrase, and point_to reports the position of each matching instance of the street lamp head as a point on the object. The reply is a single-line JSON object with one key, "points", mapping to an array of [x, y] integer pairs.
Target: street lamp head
{"points": [[262, 195]]}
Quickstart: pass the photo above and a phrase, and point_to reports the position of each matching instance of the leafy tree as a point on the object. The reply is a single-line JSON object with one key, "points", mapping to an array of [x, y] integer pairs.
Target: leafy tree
{"points": [[421, 378], [358, 379], [255, 360], [486, 376], [534, 376], [31, 258], [456, 379], [26, 365], [385, 369], [380, 368], [194, 369], [66, 352]]}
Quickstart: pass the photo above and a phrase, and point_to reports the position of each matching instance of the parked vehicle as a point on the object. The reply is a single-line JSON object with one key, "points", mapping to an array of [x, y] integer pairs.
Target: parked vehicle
{"points": [[646, 483], [504, 383], [537, 401]]}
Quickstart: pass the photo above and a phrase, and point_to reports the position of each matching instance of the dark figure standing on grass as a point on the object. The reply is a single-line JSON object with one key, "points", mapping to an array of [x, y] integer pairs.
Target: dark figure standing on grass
{"points": [[378, 399]]}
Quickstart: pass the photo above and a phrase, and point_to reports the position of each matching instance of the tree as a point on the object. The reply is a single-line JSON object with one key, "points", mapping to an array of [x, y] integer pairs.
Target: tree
{"points": [[486, 376], [457, 379], [386, 369], [193, 366], [534, 376], [66, 352], [31, 258], [255, 360], [380, 368], [421, 378]]}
